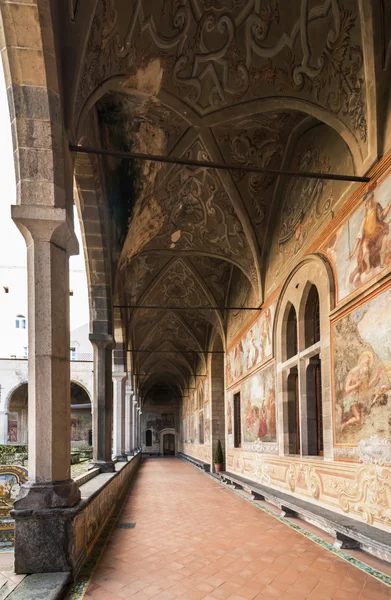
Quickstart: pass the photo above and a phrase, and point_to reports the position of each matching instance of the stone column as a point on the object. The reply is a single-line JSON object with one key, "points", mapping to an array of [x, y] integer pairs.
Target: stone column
{"points": [[103, 401], [43, 510], [134, 425], [138, 427], [128, 418], [50, 240], [119, 415]]}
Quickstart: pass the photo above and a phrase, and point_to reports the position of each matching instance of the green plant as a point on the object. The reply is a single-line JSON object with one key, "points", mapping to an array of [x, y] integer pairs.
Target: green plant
{"points": [[219, 457]]}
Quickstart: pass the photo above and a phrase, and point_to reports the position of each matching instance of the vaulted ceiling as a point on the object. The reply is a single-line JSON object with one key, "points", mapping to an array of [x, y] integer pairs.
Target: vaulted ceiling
{"points": [[269, 83]]}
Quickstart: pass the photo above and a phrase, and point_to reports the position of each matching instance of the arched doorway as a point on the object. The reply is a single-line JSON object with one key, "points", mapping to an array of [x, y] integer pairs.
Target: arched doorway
{"points": [[167, 442], [17, 428]]}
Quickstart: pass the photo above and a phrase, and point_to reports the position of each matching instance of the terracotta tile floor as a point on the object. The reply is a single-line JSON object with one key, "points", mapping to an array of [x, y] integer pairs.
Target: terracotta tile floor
{"points": [[194, 539]]}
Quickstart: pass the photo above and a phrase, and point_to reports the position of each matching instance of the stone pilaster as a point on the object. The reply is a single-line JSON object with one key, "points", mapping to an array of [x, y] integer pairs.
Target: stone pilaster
{"points": [[119, 415], [103, 401]]}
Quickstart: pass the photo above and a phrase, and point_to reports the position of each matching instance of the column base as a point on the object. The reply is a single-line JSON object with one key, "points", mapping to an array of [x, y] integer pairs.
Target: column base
{"points": [[44, 540], [105, 466], [121, 458], [53, 494]]}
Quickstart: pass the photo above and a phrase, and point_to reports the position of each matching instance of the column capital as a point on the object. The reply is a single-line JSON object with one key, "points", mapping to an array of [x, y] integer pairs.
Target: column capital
{"points": [[102, 340], [45, 224], [119, 375]]}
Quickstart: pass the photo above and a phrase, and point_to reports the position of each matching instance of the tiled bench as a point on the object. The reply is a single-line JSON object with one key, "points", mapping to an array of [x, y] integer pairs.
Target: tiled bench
{"points": [[348, 533], [195, 461]]}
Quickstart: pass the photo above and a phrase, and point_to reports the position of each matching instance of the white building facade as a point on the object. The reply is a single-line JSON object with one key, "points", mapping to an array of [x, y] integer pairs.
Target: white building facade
{"points": [[14, 354]]}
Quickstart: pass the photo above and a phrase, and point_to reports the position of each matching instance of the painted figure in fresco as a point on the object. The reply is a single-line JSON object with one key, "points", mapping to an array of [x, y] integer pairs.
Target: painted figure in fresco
{"points": [[249, 419], [12, 434], [229, 367], [266, 332], [252, 351], [229, 418], [358, 386], [373, 242], [380, 398], [272, 412], [238, 354], [262, 431]]}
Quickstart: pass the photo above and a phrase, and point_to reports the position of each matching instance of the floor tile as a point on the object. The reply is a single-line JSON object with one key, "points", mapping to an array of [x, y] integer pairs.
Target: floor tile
{"points": [[195, 540]]}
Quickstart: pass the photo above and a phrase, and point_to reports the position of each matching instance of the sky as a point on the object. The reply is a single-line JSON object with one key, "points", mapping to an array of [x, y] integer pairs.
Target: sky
{"points": [[12, 245]]}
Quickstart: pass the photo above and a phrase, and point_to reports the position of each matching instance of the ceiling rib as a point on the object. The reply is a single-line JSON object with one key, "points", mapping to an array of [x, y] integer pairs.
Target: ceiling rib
{"points": [[216, 165]]}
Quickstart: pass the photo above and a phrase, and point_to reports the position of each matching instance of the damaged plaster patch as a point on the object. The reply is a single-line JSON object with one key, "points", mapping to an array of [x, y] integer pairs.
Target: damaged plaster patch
{"points": [[147, 80], [146, 223], [176, 236]]}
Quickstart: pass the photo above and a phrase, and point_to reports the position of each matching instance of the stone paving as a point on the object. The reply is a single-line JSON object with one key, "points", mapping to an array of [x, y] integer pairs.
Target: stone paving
{"points": [[194, 539]]}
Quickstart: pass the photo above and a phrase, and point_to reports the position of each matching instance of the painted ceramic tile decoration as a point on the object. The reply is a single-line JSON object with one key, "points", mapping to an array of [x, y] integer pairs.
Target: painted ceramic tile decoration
{"points": [[361, 248], [362, 371]]}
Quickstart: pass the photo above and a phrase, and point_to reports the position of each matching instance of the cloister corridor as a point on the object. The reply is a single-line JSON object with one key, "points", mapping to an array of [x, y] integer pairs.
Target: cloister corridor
{"points": [[194, 539]]}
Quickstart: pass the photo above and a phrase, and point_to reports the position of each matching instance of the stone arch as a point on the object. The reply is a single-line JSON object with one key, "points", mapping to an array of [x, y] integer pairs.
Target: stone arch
{"points": [[11, 392], [81, 385], [41, 156], [17, 428], [81, 416], [93, 225], [313, 270]]}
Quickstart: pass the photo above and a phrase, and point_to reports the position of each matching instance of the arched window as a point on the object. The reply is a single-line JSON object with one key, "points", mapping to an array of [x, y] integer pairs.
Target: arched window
{"points": [[304, 412], [291, 333], [20, 322], [314, 412], [312, 318], [148, 438], [293, 412]]}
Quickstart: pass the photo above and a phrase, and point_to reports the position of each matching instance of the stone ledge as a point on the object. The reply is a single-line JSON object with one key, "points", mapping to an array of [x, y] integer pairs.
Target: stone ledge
{"points": [[42, 586], [82, 479]]}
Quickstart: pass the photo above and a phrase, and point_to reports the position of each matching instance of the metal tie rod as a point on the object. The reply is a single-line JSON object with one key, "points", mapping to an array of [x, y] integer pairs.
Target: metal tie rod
{"points": [[179, 351], [215, 165], [158, 307]]}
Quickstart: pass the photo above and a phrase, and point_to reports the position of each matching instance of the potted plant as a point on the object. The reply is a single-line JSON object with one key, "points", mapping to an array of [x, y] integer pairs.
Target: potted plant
{"points": [[219, 458]]}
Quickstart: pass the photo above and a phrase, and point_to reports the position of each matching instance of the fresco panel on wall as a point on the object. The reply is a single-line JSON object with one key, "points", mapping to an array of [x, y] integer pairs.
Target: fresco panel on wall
{"points": [[361, 248], [362, 371]]}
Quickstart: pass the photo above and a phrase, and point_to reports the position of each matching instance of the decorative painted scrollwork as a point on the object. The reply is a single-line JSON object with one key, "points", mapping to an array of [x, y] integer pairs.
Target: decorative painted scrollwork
{"points": [[219, 53], [311, 478], [369, 494]]}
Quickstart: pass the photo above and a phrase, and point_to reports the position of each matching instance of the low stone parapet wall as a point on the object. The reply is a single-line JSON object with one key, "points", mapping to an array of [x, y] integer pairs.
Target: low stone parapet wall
{"points": [[100, 497], [60, 540]]}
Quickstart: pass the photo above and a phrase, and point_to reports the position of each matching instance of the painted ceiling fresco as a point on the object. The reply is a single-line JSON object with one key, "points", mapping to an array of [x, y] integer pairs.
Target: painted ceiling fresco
{"points": [[255, 84]]}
